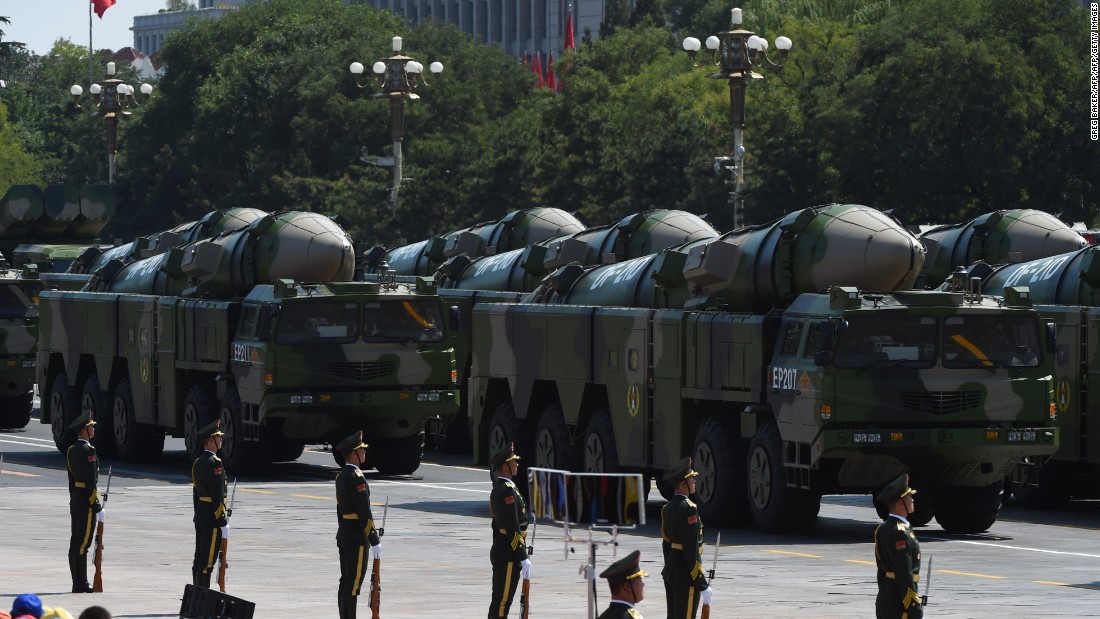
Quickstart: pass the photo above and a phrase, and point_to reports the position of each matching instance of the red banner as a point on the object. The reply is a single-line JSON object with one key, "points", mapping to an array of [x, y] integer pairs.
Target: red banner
{"points": [[99, 6]]}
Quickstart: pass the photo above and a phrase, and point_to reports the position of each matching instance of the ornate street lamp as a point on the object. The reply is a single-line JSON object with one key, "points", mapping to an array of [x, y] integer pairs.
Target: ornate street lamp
{"points": [[736, 53], [112, 98], [398, 76]]}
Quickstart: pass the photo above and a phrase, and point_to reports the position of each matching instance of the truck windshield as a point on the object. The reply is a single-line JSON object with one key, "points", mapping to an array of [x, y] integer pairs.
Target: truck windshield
{"points": [[402, 321], [318, 322], [884, 340], [990, 341], [17, 300]]}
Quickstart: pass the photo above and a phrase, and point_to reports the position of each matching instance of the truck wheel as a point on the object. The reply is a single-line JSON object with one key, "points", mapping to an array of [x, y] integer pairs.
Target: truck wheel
{"points": [[15, 412], [238, 454], [64, 409], [775, 507], [92, 401], [721, 491], [286, 451], [199, 409], [553, 441], [398, 456], [504, 428], [599, 452], [922, 510], [134, 442], [968, 510]]}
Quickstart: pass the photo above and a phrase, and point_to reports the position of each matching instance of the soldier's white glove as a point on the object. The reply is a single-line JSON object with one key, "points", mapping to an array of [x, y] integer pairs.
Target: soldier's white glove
{"points": [[377, 550], [225, 531], [101, 517], [525, 569], [708, 595]]}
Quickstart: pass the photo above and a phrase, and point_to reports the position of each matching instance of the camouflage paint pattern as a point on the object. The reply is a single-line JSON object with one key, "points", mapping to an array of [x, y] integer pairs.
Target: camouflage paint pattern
{"points": [[1072, 278], [513, 231], [37, 227], [1016, 235]]}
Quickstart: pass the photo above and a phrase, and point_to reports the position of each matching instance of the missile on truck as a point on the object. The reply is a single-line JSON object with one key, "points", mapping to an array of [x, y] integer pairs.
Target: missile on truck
{"points": [[19, 291], [261, 328], [781, 393], [1016, 235], [51, 227], [513, 231]]}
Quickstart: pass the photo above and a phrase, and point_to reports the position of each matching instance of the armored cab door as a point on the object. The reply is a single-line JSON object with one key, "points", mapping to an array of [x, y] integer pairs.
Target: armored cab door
{"points": [[622, 335], [793, 382]]}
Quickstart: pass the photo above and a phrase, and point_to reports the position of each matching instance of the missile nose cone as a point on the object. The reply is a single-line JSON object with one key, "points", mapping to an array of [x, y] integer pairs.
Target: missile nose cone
{"points": [[863, 247], [310, 247]]}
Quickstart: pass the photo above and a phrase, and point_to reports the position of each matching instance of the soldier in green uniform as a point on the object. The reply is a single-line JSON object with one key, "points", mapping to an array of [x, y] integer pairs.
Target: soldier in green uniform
{"points": [[509, 552], [211, 521], [625, 577], [84, 506], [356, 528], [682, 535], [897, 555]]}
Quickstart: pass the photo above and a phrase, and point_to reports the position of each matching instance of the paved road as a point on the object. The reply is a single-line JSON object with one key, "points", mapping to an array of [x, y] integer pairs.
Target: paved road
{"points": [[435, 552]]}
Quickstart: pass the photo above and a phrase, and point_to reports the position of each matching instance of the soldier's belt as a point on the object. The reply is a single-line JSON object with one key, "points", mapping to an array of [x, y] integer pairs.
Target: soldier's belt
{"points": [[891, 575], [350, 516], [206, 499], [80, 484], [676, 546], [522, 534]]}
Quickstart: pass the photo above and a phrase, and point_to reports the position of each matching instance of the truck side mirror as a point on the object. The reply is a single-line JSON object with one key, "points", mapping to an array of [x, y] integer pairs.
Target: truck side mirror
{"points": [[1052, 336], [454, 317]]}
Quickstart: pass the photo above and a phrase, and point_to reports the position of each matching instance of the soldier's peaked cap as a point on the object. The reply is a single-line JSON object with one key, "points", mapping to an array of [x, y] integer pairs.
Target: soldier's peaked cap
{"points": [[505, 454], [82, 421], [351, 443], [211, 429], [625, 569], [895, 490], [680, 472]]}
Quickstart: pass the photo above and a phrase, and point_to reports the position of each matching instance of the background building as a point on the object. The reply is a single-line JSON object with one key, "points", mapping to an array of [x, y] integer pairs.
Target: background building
{"points": [[517, 26]]}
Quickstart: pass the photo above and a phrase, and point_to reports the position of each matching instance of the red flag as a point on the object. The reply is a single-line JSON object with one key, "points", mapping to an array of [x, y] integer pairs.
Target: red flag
{"points": [[536, 67], [102, 5], [550, 81], [569, 44]]}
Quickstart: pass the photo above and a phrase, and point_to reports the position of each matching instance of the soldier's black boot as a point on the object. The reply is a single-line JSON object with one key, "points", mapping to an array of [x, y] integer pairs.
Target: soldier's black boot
{"points": [[350, 602], [343, 606], [79, 570], [204, 579]]}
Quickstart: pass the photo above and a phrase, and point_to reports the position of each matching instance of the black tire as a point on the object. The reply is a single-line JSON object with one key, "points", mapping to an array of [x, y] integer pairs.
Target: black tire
{"points": [[923, 511], [134, 442], [553, 443], [93, 401], [64, 404], [721, 488], [504, 428], [775, 507], [15, 412], [968, 510], [286, 451], [239, 455], [598, 451], [200, 407], [398, 456]]}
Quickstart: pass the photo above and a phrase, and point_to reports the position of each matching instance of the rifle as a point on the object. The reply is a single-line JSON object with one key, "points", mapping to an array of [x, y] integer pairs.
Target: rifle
{"points": [[525, 592], [927, 584], [376, 570], [705, 613], [97, 581], [223, 565]]}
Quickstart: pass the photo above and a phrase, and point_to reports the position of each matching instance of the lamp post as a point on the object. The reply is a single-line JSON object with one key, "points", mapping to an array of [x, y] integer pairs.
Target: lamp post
{"points": [[736, 53], [112, 98], [398, 76]]}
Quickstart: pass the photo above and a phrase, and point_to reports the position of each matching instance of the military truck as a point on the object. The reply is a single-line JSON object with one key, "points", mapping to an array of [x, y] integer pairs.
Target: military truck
{"points": [[236, 328], [998, 237], [50, 227], [19, 291], [1065, 290], [727, 352]]}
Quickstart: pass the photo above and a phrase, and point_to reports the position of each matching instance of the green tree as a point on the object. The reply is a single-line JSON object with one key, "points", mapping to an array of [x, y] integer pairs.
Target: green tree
{"points": [[17, 167]]}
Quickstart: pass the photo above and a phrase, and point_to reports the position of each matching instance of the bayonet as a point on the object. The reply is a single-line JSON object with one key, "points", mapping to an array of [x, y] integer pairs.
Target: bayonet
{"points": [[110, 472], [705, 613], [385, 510], [376, 570], [232, 499], [97, 580], [927, 583]]}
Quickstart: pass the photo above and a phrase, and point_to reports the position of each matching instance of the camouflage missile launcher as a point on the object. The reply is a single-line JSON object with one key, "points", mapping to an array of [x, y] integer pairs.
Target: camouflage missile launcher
{"points": [[1016, 235], [1065, 290], [19, 291], [231, 328], [51, 227], [213, 224], [818, 394], [513, 231]]}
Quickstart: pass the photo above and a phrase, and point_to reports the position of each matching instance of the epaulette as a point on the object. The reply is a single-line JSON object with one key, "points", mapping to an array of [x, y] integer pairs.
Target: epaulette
{"points": [[359, 472], [689, 502], [508, 482], [633, 614]]}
